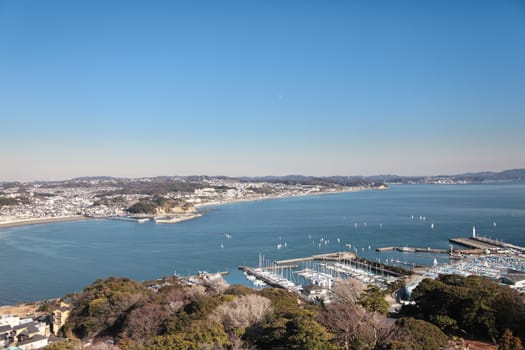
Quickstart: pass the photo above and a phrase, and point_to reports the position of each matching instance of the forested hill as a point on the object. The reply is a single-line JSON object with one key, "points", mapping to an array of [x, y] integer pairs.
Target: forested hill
{"points": [[170, 314]]}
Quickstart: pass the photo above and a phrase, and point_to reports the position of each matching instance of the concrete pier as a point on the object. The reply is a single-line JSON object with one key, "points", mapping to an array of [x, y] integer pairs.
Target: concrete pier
{"points": [[472, 243], [330, 256]]}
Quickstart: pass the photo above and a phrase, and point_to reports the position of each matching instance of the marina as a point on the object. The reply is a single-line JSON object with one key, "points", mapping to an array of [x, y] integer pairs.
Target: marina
{"points": [[321, 270], [325, 270]]}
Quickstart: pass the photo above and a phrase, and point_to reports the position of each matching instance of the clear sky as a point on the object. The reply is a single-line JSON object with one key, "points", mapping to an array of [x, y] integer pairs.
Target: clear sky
{"points": [[260, 87]]}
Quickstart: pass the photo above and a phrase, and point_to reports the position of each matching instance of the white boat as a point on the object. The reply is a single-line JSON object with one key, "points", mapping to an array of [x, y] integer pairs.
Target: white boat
{"points": [[143, 220], [259, 283], [227, 235]]}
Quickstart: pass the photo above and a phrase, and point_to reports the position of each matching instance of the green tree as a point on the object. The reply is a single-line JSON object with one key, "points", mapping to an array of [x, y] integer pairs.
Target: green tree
{"points": [[67, 344], [304, 333], [426, 335], [373, 299]]}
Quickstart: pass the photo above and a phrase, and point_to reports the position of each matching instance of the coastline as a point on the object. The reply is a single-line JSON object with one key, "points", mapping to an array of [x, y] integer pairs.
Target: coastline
{"points": [[190, 216], [260, 198], [37, 221]]}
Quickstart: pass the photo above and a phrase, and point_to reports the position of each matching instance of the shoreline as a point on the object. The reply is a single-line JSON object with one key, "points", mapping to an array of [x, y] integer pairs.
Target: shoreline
{"points": [[49, 220], [44, 220], [260, 198]]}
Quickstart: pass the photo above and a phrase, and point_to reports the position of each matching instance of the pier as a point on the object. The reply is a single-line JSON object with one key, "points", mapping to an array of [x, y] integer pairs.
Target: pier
{"points": [[500, 244], [413, 250], [431, 250], [260, 276], [116, 218], [473, 243], [330, 256]]}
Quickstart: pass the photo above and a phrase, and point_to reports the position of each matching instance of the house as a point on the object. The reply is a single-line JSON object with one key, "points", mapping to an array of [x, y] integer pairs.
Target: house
{"points": [[11, 320], [5, 330], [60, 317], [36, 342]]}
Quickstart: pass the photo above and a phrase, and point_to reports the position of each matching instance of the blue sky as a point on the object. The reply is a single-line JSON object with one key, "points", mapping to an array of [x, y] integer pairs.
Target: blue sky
{"points": [[145, 88]]}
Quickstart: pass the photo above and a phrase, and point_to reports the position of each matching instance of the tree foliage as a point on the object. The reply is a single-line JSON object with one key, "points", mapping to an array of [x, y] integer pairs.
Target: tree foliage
{"points": [[373, 300], [473, 304], [424, 334], [177, 316], [67, 344]]}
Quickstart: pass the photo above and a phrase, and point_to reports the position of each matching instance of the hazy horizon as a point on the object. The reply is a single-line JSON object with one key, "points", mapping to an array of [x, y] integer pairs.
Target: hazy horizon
{"points": [[254, 176], [139, 89]]}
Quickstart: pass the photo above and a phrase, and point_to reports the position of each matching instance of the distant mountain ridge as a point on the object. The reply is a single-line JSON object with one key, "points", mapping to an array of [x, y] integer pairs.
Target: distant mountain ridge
{"points": [[510, 175]]}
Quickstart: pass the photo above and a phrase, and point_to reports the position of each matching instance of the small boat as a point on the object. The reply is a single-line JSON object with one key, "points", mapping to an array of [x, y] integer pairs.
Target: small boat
{"points": [[259, 283], [432, 226], [222, 245], [227, 235], [142, 220]]}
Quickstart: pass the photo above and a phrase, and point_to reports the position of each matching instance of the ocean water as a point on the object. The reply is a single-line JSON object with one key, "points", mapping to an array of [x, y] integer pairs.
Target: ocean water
{"points": [[50, 260]]}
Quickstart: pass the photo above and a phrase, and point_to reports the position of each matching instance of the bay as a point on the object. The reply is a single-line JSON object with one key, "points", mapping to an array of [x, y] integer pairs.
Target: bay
{"points": [[50, 260]]}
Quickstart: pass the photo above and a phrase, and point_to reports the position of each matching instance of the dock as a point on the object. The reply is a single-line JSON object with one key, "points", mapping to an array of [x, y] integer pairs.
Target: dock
{"points": [[473, 243], [413, 250], [280, 267], [116, 218], [330, 256], [259, 276], [474, 251]]}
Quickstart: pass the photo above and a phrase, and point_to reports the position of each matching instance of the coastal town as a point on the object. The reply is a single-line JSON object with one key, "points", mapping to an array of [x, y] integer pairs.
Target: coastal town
{"points": [[165, 200]]}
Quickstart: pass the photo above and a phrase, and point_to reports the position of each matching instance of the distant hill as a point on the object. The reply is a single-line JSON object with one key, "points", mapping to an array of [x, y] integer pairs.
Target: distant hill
{"points": [[313, 180], [511, 175]]}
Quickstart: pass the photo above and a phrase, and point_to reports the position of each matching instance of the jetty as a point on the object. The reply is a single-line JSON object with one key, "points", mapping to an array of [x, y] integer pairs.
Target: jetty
{"points": [[116, 218], [413, 250], [330, 256], [405, 249], [260, 276], [473, 243]]}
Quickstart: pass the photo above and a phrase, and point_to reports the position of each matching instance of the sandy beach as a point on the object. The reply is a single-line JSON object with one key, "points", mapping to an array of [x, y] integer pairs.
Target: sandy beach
{"points": [[25, 222]]}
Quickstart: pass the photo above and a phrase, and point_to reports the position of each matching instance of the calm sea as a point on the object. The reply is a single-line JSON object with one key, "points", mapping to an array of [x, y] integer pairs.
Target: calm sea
{"points": [[50, 260]]}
